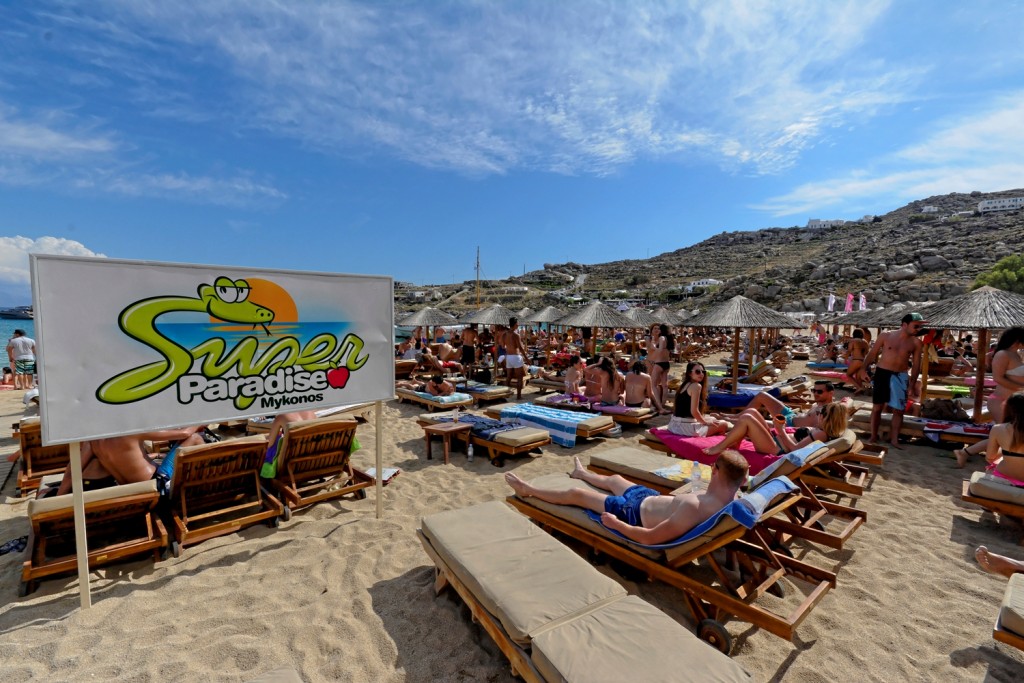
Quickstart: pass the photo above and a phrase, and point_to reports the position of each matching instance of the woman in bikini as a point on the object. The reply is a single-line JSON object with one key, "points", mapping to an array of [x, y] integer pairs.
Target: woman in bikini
{"points": [[833, 424], [688, 418], [856, 351], [1008, 374], [661, 345], [1005, 449]]}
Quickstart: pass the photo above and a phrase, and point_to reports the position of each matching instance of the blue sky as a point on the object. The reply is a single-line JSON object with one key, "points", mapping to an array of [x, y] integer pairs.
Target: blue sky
{"points": [[396, 137]]}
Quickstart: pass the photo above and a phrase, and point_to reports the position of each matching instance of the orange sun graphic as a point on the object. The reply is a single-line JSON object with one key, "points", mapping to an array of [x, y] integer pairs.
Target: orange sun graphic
{"points": [[272, 296]]}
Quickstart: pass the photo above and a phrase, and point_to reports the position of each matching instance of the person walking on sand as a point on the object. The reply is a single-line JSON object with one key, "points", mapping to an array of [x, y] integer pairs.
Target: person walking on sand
{"points": [[516, 356], [639, 513], [896, 352]]}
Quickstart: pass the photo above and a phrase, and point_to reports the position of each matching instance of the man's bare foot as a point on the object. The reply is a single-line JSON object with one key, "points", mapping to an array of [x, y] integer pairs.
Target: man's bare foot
{"points": [[579, 470], [896, 445], [997, 564], [517, 484], [961, 457]]}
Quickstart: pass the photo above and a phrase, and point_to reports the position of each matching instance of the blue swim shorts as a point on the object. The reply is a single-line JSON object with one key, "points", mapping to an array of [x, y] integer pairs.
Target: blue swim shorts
{"points": [[789, 414], [627, 506]]}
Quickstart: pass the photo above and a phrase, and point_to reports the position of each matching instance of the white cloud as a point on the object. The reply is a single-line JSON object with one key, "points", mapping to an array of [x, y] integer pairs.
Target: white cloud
{"points": [[983, 151], [47, 136], [14, 273], [490, 87], [235, 191]]}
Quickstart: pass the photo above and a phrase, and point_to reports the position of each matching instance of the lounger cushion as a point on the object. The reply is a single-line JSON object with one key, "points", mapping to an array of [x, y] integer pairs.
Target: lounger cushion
{"points": [[1011, 612], [283, 675], [603, 646], [521, 437], [985, 485], [844, 442], [521, 575], [36, 507], [636, 464]]}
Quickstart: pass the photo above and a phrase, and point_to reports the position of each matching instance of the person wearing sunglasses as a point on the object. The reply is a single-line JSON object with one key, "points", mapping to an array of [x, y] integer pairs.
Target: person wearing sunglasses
{"points": [[823, 392], [897, 352], [688, 418], [778, 441]]}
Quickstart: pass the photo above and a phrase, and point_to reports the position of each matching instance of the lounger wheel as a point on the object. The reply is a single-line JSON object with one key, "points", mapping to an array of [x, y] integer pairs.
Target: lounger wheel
{"points": [[286, 514], [714, 633], [175, 548], [777, 589], [498, 462], [26, 588]]}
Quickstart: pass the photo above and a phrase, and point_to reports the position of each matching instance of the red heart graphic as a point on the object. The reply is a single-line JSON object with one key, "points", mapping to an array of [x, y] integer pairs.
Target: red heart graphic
{"points": [[338, 377]]}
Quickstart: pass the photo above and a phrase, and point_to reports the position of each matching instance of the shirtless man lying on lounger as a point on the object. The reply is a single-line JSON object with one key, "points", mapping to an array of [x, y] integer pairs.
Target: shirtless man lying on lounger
{"points": [[639, 513], [123, 459]]}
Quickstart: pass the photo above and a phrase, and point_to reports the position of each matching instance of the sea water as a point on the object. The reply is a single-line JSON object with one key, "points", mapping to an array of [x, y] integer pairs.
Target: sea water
{"points": [[7, 328]]}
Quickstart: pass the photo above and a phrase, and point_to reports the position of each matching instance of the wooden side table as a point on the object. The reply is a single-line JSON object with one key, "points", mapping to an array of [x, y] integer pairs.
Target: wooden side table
{"points": [[445, 430]]}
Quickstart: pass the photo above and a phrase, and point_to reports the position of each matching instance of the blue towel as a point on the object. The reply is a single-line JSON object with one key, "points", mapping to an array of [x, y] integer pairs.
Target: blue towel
{"points": [[797, 457], [450, 398], [746, 510], [560, 424], [483, 427]]}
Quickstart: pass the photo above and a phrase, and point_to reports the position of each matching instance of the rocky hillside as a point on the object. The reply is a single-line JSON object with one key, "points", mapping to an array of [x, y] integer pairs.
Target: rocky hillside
{"points": [[904, 255]]}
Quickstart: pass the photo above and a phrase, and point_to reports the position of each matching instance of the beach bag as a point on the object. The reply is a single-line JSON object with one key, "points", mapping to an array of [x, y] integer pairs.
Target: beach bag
{"points": [[482, 376], [943, 409]]}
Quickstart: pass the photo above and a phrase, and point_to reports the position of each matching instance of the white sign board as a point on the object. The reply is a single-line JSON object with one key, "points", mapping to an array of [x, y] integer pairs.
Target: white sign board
{"points": [[133, 346]]}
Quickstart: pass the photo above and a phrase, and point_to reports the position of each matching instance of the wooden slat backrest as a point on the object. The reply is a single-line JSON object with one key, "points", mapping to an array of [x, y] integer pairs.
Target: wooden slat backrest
{"points": [[40, 459], [314, 445]]}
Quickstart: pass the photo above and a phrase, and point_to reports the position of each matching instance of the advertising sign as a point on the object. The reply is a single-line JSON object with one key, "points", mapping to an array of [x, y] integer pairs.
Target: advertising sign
{"points": [[133, 346]]}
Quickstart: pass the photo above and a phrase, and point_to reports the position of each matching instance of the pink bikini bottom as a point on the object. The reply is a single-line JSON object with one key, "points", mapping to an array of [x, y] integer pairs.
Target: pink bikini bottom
{"points": [[992, 470]]}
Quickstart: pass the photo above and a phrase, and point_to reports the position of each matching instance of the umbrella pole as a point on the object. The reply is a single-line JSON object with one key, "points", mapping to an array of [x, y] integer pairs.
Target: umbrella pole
{"points": [[924, 373], [980, 352], [735, 359]]}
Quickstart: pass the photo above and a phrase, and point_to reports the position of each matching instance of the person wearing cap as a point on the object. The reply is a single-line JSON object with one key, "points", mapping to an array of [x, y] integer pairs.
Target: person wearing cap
{"points": [[896, 352]]}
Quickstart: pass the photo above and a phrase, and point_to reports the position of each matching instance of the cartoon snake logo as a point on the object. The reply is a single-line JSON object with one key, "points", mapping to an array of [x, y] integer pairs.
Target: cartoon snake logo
{"points": [[226, 300]]}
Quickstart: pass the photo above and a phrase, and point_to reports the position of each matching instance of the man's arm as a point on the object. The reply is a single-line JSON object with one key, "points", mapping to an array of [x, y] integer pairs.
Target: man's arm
{"points": [[915, 366], [876, 348]]}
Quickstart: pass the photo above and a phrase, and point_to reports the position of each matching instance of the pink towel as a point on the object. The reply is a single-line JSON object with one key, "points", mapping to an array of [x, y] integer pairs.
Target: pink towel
{"points": [[691, 448]]}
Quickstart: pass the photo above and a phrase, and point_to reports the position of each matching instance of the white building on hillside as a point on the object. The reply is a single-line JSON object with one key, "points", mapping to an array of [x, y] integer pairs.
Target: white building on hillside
{"points": [[706, 282], [1008, 204], [930, 209], [818, 223]]}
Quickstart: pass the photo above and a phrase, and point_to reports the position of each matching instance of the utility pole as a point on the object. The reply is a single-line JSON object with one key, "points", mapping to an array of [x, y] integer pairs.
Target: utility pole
{"points": [[478, 277]]}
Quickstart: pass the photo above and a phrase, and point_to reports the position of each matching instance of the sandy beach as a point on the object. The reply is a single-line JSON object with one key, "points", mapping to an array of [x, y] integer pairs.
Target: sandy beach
{"points": [[342, 596]]}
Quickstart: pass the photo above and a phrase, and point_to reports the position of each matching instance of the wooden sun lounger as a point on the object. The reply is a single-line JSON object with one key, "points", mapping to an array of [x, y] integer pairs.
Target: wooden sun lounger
{"points": [[215, 490], [994, 495], [513, 443], [37, 460], [404, 368], [911, 427], [546, 385], [550, 613], [314, 463], [804, 519], [404, 395], [1009, 626], [584, 430], [762, 567], [120, 522]]}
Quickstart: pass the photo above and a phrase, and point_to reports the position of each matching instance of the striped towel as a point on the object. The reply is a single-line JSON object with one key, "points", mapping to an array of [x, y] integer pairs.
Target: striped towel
{"points": [[560, 424]]}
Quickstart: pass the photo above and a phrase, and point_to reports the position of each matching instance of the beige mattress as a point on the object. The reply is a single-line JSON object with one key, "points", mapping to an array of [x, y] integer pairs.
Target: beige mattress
{"points": [[575, 623], [984, 485], [637, 465], [1011, 612]]}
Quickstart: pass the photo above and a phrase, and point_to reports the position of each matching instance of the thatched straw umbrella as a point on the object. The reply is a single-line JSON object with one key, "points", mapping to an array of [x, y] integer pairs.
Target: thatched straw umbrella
{"points": [[642, 317], [548, 314], [985, 309], [595, 315], [668, 317], [740, 312], [428, 317], [492, 315]]}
